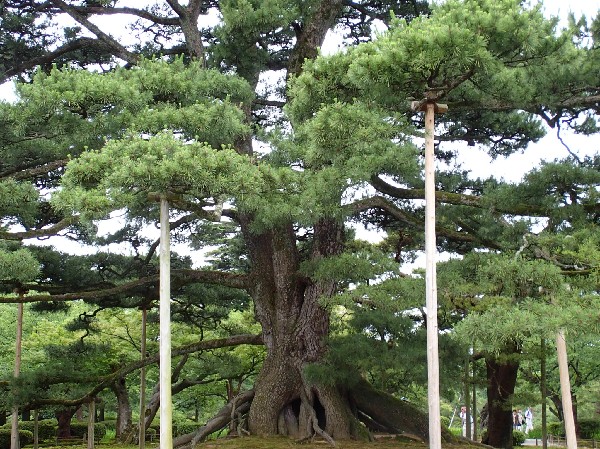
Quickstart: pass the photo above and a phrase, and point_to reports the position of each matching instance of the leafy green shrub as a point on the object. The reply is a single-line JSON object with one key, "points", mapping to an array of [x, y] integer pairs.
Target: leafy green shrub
{"points": [[25, 437], [183, 428], [79, 429], [445, 421], [536, 432], [556, 428], [110, 424], [518, 438], [589, 428], [151, 434], [46, 428], [456, 431]]}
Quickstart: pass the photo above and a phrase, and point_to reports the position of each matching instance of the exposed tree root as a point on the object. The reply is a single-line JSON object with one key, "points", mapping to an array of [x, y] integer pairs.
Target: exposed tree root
{"points": [[378, 411], [240, 404], [313, 421]]}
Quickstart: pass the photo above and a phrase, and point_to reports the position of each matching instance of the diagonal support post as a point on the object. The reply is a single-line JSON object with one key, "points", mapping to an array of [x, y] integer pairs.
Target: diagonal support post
{"points": [[430, 107]]}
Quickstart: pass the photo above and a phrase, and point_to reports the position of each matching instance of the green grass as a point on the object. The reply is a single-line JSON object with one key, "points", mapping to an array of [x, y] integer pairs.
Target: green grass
{"points": [[287, 443]]}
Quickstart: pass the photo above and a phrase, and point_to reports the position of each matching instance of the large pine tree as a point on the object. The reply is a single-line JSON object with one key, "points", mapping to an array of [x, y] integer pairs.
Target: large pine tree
{"points": [[187, 126]]}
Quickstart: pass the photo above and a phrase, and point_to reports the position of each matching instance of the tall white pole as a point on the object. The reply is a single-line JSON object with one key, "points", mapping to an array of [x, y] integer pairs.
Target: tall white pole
{"points": [[433, 369], [565, 389], [14, 432], [142, 421], [166, 405]]}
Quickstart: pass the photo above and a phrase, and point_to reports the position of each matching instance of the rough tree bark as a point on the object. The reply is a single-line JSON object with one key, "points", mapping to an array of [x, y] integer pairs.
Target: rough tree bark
{"points": [[63, 416], [501, 377], [294, 327], [124, 415]]}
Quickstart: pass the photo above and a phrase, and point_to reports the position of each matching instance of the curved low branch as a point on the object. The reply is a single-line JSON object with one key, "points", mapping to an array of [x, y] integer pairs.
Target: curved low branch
{"points": [[575, 101], [383, 203], [457, 199], [106, 381], [37, 233], [179, 278], [35, 171], [239, 404], [265, 102], [119, 50], [49, 57], [461, 199], [141, 13]]}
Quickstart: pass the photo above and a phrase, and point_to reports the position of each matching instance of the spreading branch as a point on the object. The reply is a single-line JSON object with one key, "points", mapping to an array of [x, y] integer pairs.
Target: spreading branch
{"points": [[180, 278], [383, 203], [119, 50], [39, 233], [106, 381]]}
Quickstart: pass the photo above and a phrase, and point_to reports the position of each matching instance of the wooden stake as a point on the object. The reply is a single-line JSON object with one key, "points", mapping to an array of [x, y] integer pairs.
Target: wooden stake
{"points": [[467, 388], [91, 437], [565, 389], [433, 369], [543, 392], [142, 422], [474, 401], [14, 430], [166, 404], [36, 428]]}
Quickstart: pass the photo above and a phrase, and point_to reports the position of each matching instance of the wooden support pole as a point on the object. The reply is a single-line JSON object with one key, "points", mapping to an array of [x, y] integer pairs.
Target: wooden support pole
{"points": [[467, 388], [543, 381], [36, 429], [14, 430], [433, 369], [91, 432], [474, 401], [565, 389], [142, 422], [166, 404]]}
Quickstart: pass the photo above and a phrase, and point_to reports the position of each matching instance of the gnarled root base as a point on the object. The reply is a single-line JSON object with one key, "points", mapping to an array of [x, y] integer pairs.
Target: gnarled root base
{"points": [[370, 410]]}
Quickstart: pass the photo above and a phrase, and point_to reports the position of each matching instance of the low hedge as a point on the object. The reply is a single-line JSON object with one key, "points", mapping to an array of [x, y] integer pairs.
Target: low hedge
{"points": [[46, 428], [80, 428], [110, 424], [518, 438], [25, 437], [556, 428], [183, 428], [589, 429], [536, 432]]}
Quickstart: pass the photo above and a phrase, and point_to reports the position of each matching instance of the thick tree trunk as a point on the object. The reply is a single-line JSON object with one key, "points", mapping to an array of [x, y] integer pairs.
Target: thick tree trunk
{"points": [[100, 411], [63, 416], [501, 377], [124, 415], [295, 327]]}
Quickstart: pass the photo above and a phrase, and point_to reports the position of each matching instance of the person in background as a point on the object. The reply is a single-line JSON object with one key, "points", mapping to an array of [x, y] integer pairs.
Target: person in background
{"points": [[520, 420], [463, 418], [528, 420]]}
